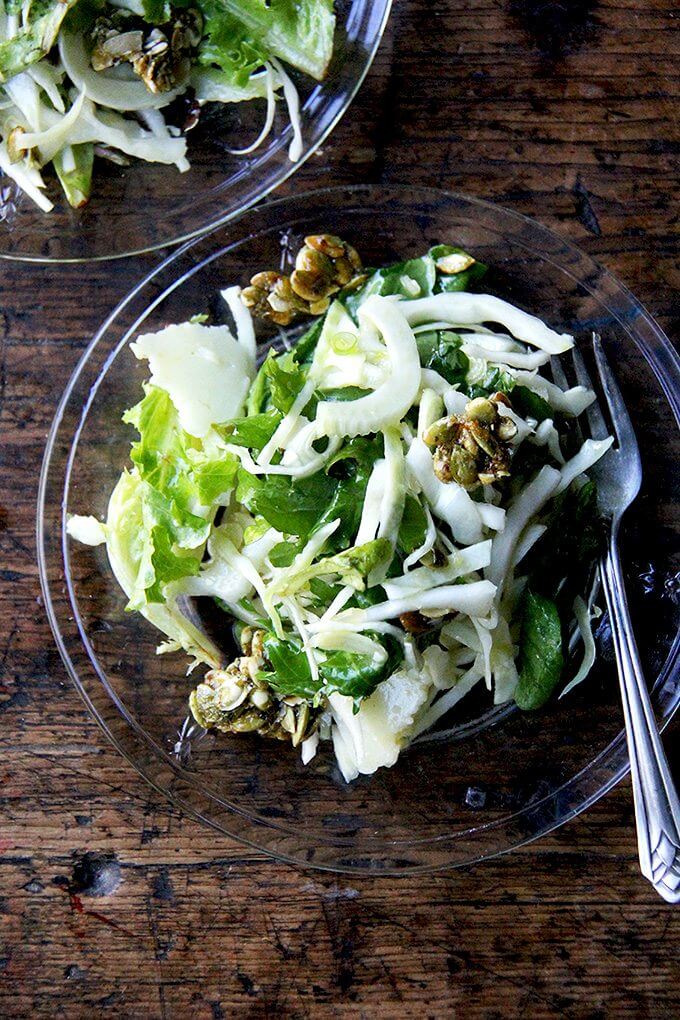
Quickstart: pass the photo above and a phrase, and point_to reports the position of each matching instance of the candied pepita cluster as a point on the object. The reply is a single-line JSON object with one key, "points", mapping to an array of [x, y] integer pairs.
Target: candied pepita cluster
{"points": [[323, 266], [239, 700], [473, 449], [159, 55]]}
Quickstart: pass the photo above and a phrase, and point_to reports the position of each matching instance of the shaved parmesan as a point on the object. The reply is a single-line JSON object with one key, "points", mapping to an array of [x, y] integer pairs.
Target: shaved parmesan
{"points": [[205, 371]]}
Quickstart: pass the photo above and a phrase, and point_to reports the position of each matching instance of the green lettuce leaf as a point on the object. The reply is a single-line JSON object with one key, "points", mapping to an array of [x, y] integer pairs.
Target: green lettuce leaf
{"points": [[35, 38], [228, 43], [300, 32], [179, 483]]}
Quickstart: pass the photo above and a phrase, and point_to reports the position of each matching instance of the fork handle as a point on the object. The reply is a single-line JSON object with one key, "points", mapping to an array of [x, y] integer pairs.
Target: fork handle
{"points": [[657, 809]]}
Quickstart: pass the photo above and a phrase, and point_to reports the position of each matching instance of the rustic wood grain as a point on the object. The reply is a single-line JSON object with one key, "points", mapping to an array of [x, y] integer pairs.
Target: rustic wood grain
{"points": [[567, 111]]}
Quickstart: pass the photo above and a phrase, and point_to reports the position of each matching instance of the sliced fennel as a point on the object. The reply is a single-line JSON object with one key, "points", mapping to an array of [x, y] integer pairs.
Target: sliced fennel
{"points": [[387, 404]]}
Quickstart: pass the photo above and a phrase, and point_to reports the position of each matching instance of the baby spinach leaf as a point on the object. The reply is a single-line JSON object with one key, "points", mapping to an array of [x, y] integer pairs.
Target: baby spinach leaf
{"points": [[323, 592], [258, 393], [343, 393], [541, 660], [442, 352], [413, 278], [456, 281], [570, 545], [348, 673], [296, 507], [364, 450], [303, 352], [529, 405], [290, 674], [283, 553], [357, 676], [254, 431], [413, 528]]}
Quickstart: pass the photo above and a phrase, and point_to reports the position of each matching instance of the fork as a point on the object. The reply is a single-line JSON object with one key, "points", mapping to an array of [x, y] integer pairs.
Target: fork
{"points": [[618, 476]]}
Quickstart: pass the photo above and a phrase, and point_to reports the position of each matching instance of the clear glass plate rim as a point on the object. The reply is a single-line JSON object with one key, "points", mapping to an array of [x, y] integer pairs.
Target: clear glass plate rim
{"points": [[615, 750]]}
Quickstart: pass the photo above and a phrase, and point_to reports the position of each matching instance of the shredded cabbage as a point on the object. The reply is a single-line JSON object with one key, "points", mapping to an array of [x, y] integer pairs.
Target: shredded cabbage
{"points": [[450, 502], [462, 308], [583, 615]]}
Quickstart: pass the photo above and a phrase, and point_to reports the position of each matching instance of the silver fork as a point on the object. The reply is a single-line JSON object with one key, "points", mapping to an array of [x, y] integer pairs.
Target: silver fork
{"points": [[618, 476]]}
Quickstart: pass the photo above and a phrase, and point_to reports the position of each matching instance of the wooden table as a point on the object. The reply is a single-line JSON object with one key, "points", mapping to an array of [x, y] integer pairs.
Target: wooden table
{"points": [[566, 111]]}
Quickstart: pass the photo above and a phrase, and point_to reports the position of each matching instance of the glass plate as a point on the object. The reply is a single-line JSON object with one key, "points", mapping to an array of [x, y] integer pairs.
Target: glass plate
{"points": [[147, 206], [504, 777]]}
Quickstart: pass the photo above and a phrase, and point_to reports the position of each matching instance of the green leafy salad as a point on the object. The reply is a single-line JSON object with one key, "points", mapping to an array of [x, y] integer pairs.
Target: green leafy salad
{"points": [[121, 79], [393, 511]]}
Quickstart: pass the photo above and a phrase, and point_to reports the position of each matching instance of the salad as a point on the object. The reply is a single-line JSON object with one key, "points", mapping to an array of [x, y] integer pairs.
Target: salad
{"points": [[127, 79], [391, 511]]}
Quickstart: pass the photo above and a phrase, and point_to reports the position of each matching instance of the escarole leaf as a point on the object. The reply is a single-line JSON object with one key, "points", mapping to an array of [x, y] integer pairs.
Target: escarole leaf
{"points": [[541, 660], [135, 559], [298, 31], [228, 43], [35, 38], [157, 12], [179, 482]]}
